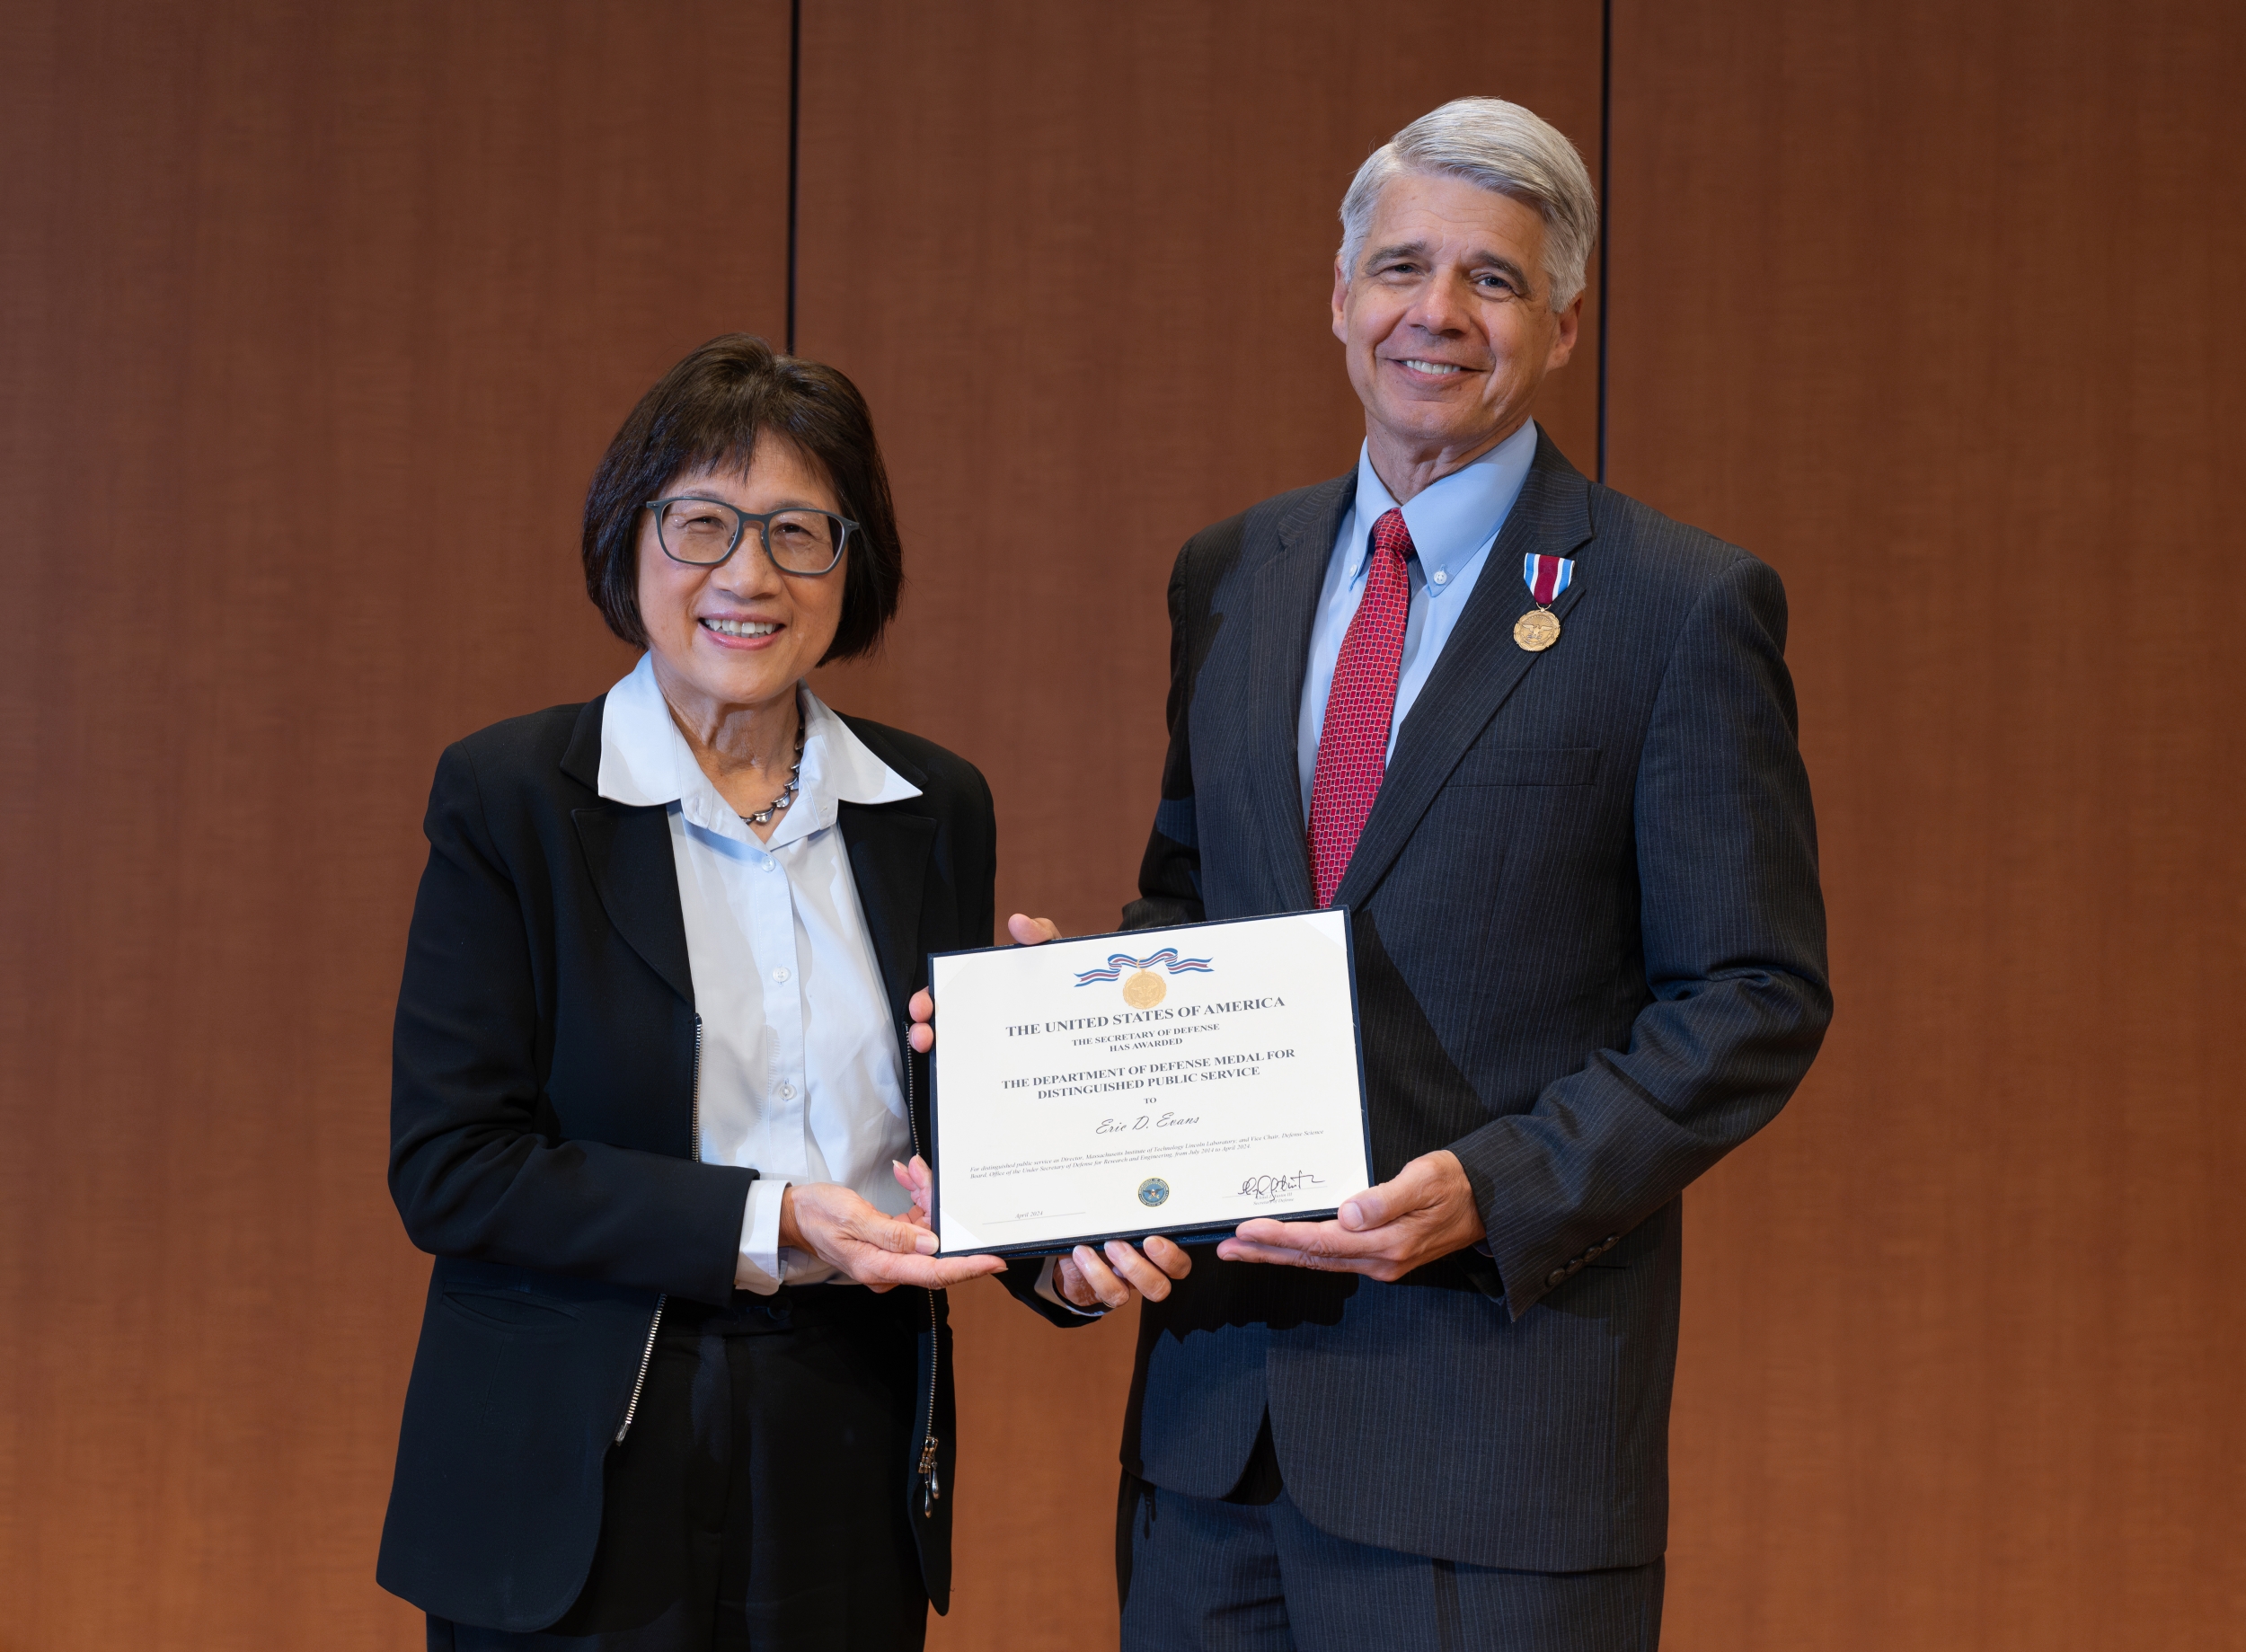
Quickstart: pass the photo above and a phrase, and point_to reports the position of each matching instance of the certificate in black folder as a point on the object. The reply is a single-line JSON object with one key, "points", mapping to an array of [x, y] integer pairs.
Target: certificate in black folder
{"points": [[1171, 1081]]}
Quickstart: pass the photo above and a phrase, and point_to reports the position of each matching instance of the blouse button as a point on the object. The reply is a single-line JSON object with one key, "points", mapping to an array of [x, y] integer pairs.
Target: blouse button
{"points": [[779, 975], [787, 1091]]}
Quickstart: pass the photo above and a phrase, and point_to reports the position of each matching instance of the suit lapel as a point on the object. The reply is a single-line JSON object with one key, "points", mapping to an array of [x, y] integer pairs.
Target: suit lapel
{"points": [[628, 852], [1481, 664], [889, 862], [1285, 603]]}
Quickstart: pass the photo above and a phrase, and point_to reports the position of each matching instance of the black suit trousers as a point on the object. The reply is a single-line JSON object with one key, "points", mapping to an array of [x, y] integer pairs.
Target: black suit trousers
{"points": [[754, 1503], [1249, 1573]]}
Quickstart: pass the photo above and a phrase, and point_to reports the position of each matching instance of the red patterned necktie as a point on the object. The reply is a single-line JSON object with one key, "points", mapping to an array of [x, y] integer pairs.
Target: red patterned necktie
{"points": [[1353, 743]]}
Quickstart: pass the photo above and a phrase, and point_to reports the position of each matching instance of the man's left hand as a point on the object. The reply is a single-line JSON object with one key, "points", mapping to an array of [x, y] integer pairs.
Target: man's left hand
{"points": [[1383, 1232]]}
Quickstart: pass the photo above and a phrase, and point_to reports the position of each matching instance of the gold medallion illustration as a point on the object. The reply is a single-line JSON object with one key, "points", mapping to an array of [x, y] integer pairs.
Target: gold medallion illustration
{"points": [[1142, 988]]}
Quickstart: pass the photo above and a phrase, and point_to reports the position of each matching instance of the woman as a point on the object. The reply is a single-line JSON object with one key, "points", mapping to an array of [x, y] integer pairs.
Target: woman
{"points": [[651, 1091]]}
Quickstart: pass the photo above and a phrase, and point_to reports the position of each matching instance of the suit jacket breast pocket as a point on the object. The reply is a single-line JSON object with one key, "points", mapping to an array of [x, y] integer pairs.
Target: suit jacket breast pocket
{"points": [[1527, 765]]}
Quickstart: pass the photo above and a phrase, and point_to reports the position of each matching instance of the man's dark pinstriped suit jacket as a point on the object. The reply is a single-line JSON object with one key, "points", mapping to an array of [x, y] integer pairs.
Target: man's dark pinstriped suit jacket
{"points": [[1590, 958]]}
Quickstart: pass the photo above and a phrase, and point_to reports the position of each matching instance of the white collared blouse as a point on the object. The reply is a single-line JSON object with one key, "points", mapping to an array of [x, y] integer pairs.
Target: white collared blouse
{"points": [[802, 1079]]}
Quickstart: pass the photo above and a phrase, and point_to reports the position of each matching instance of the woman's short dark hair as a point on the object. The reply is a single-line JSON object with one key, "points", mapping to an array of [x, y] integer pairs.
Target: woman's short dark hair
{"points": [[706, 413]]}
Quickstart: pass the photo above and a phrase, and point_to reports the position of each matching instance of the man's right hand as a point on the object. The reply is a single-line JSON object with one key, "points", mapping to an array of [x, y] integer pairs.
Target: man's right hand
{"points": [[1026, 931], [1109, 1276]]}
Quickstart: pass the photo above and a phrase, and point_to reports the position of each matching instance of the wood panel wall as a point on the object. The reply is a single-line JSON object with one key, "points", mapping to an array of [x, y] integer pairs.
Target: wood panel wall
{"points": [[314, 321], [1935, 307], [1080, 258]]}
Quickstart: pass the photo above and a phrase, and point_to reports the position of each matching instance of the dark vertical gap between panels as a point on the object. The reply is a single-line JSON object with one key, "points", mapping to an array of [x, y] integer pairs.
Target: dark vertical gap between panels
{"points": [[795, 144], [1607, 176]]}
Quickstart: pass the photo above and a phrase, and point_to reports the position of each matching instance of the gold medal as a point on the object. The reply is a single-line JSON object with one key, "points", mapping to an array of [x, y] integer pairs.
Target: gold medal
{"points": [[1143, 990], [1536, 630]]}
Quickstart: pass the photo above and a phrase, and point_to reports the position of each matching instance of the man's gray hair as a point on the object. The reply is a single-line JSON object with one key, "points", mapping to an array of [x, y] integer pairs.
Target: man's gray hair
{"points": [[1500, 147]]}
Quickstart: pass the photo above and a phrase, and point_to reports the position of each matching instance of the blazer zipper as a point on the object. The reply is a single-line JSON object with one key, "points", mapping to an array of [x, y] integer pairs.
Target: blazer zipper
{"points": [[931, 1485], [647, 1353]]}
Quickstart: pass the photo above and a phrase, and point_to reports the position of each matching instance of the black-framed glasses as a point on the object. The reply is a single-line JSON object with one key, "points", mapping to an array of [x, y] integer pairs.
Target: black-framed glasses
{"points": [[703, 532]]}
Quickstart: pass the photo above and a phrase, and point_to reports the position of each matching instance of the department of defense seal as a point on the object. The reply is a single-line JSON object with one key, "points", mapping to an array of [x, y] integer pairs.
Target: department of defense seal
{"points": [[1152, 1191], [1143, 990]]}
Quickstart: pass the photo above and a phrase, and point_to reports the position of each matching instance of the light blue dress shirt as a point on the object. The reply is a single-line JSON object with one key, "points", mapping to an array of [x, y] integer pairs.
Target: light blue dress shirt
{"points": [[801, 1076], [1454, 523]]}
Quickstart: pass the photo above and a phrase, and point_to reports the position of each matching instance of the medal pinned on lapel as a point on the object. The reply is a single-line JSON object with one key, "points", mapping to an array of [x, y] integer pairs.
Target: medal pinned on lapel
{"points": [[1546, 577]]}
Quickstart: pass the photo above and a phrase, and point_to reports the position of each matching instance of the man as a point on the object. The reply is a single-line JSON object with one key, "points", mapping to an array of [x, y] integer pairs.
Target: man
{"points": [[1540, 742]]}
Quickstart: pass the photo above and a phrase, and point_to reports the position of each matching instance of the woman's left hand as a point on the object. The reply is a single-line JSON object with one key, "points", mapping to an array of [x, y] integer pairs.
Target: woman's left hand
{"points": [[877, 1250], [917, 1179]]}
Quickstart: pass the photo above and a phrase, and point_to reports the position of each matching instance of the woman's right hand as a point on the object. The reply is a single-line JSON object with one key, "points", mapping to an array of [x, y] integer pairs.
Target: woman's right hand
{"points": [[877, 1250]]}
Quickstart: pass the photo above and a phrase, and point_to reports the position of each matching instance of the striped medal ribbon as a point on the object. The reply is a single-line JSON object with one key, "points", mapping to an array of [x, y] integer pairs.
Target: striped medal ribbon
{"points": [[1546, 577]]}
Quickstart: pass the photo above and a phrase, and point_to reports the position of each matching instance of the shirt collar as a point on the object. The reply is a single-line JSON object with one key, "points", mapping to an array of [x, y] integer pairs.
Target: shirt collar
{"points": [[645, 761], [1451, 519]]}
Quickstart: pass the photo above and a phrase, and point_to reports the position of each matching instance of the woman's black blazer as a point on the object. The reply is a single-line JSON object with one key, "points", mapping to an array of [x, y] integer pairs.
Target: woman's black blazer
{"points": [[543, 1140]]}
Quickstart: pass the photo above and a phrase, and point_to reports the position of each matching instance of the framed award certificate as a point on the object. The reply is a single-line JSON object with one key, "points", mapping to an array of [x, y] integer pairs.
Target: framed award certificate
{"points": [[1160, 1081]]}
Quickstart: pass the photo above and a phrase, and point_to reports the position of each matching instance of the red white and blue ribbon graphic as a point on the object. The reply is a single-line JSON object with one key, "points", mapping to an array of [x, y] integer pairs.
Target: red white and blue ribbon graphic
{"points": [[1547, 576], [1118, 962]]}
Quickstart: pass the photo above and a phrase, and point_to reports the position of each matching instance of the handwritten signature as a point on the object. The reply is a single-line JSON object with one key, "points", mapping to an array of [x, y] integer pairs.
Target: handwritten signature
{"points": [[1273, 1189]]}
